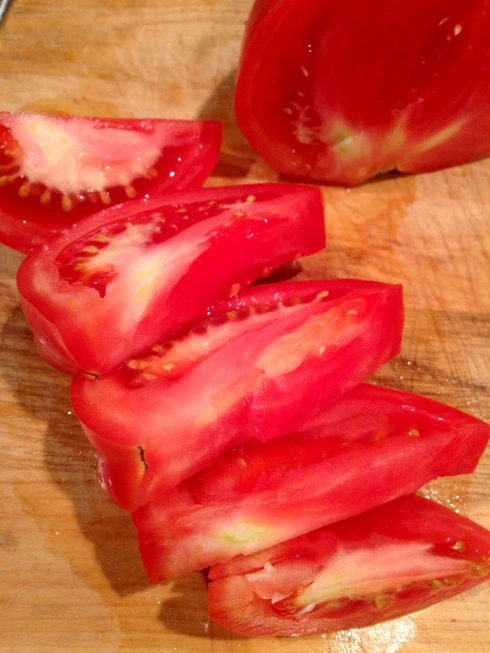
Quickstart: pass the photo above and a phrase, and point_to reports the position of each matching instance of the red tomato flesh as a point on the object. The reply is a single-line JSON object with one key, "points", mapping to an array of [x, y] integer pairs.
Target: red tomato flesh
{"points": [[385, 563], [372, 445], [55, 170], [127, 277], [255, 368], [337, 91]]}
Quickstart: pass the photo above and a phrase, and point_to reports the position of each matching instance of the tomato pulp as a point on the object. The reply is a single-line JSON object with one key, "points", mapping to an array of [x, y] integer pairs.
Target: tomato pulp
{"points": [[56, 170], [255, 368], [387, 562], [336, 91]]}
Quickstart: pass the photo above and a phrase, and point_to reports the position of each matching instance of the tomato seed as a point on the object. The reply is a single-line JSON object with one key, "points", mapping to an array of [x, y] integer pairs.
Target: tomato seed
{"points": [[66, 203], [459, 546], [46, 196], [105, 197], [25, 189], [130, 192]]}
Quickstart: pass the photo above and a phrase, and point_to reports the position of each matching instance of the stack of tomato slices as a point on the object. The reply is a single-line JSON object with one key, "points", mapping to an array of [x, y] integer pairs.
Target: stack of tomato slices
{"points": [[232, 418]]}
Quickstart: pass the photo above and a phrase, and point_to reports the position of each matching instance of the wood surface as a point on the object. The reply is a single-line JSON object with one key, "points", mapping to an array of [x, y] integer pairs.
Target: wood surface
{"points": [[70, 575]]}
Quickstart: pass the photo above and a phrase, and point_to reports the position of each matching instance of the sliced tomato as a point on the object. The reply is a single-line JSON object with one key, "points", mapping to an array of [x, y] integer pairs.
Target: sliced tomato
{"points": [[55, 170], [129, 276], [372, 445], [385, 563], [336, 91], [255, 368]]}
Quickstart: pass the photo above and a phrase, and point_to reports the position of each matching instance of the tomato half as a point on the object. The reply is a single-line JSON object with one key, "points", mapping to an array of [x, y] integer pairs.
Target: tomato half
{"points": [[55, 170], [338, 90], [385, 563], [372, 445], [131, 275], [255, 368]]}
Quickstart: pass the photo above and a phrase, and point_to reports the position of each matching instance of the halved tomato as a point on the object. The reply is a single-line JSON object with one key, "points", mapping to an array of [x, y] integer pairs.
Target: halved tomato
{"points": [[385, 563], [372, 445], [55, 170], [338, 90], [255, 368], [131, 275]]}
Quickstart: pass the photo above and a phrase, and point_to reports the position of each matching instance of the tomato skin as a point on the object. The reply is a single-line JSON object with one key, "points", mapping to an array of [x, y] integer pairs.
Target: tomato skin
{"points": [[370, 446], [129, 276], [450, 555], [337, 91], [252, 386], [98, 161]]}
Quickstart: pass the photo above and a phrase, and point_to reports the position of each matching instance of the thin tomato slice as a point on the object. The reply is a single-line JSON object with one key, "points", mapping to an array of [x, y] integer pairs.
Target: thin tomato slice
{"points": [[131, 275], [56, 170], [255, 368], [385, 563], [372, 445], [337, 91]]}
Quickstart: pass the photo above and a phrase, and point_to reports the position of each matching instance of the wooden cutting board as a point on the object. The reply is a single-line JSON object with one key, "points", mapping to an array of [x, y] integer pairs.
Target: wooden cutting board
{"points": [[70, 575]]}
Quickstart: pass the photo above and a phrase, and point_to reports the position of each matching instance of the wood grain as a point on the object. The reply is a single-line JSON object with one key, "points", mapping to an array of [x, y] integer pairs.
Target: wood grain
{"points": [[70, 575]]}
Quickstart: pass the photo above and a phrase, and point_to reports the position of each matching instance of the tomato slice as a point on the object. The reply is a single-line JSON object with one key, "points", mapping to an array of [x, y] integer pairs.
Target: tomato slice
{"points": [[55, 170], [129, 276], [338, 91], [255, 368], [370, 446], [385, 563]]}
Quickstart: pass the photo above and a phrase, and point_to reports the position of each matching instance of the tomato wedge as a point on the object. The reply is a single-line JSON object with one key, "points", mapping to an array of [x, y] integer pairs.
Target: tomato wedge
{"points": [[131, 275], [256, 367], [385, 563], [55, 170], [336, 91], [372, 445]]}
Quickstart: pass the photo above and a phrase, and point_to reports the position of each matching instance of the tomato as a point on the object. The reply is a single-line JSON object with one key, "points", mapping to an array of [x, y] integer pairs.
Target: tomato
{"points": [[256, 367], [55, 170], [131, 275], [336, 91], [385, 563], [370, 446]]}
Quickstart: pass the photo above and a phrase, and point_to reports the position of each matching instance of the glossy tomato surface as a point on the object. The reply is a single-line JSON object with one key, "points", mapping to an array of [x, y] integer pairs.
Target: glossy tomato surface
{"points": [[372, 445], [255, 368], [338, 90], [55, 170], [128, 277], [385, 563]]}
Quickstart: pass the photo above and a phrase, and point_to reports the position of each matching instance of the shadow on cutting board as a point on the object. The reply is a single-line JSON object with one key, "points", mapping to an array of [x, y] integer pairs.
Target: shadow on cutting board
{"points": [[42, 394], [185, 610]]}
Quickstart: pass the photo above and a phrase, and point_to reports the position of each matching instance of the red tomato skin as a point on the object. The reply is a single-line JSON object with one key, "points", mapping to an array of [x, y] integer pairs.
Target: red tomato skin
{"points": [[78, 330], [226, 399], [370, 446], [349, 89], [233, 603], [188, 153]]}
